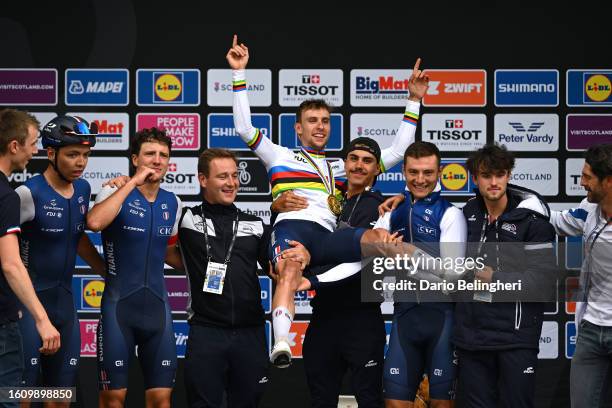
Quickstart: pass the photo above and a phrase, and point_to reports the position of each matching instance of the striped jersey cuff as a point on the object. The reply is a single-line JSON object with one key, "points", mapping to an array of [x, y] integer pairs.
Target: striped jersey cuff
{"points": [[239, 85], [411, 117], [13, 230], [254, 142]]}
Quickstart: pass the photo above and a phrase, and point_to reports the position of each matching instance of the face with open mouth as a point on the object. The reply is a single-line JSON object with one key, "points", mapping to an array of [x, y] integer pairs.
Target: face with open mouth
{"points": [[313, 128], [221, 184], [71, 160], [421, 175]]}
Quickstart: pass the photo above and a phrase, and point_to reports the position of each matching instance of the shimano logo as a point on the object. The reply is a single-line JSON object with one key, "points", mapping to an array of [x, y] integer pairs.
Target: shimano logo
{"points": [[523, 88]]}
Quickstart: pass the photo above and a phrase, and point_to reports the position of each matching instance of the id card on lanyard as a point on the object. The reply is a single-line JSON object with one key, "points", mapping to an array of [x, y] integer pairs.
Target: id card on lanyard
{"points": [[216, 271]]}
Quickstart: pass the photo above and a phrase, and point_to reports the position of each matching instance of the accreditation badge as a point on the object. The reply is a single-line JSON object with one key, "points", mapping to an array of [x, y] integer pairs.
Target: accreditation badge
{"points": [[215, 277]]}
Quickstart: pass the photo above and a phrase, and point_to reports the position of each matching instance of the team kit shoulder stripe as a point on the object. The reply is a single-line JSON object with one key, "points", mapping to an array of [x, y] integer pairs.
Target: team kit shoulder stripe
{"points": [[319, 154], [13, 230], [410, 117], [254, 142], [239, 85]]}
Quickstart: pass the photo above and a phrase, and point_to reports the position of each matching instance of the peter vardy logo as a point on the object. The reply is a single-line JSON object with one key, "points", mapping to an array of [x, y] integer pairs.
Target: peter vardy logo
{"points": [[528, 132], [527, 87], [108, 87]]}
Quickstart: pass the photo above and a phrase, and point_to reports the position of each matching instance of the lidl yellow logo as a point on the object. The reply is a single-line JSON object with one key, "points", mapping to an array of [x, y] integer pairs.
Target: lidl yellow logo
{"points": [[92, 293], [168, 87], [454, 176], [598, 88]]}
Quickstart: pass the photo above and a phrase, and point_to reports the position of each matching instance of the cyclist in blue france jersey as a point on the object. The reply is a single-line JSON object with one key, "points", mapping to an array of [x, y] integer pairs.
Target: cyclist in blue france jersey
{"points": [[309, 174], [139, 224], [53, 214]]}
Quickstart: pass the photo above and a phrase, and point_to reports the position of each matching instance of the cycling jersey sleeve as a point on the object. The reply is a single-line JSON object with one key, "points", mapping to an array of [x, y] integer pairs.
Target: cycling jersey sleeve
{"points": [[405, 137], [9, 217], [104, 193], [255, 140], [571, 222], [27, 209], [179, 211]]}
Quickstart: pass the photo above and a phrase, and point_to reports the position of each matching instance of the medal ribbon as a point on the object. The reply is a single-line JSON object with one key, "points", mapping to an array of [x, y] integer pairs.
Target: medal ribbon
{"points": [[328, 186]]}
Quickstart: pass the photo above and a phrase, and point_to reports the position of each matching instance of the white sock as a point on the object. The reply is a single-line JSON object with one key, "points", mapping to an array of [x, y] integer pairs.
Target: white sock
{"points": [[281, 323]]}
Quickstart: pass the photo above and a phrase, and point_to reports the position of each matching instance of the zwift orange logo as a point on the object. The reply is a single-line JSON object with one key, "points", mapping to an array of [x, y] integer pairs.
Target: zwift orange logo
{"points": [[456, 87]]}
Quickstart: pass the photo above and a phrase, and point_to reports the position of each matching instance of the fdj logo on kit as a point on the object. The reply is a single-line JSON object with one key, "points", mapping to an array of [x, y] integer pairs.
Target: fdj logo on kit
{"points": [[108, 87], [168, 87]]}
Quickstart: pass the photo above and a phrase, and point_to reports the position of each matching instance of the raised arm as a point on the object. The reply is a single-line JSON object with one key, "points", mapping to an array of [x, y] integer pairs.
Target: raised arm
{"points": [[417, 87], [237, 58], [109, 200]]}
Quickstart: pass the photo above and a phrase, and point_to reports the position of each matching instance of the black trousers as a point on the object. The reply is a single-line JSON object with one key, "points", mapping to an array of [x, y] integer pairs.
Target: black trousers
{"points": [[349, 339], [225, 362], [498, 378]]}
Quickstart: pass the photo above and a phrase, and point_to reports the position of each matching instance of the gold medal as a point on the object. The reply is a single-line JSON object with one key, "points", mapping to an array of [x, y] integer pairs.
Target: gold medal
{"points": [[334, 204]]}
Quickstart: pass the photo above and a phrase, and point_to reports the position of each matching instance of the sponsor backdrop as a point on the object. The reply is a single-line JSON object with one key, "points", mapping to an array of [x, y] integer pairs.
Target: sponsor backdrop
{"points": [[548, 106]]}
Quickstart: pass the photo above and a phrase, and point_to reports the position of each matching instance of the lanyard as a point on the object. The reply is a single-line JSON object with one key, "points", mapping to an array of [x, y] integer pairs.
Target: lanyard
{"points": [[208, 247], [328, 186]]}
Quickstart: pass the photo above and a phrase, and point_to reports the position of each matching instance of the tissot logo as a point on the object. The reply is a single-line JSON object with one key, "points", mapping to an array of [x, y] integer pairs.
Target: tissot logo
{"points": [[181, 177], [297, 85], [458, 132]]}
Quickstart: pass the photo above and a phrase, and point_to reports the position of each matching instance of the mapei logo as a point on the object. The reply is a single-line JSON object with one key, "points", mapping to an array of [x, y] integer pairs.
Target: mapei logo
{"points": [[456, 88], [180, 87], [108, 87], [589, 87]]}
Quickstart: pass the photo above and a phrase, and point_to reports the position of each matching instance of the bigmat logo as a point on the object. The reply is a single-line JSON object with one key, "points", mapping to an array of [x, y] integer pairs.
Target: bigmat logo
{"points": [[589, 87], [101, 169], [298, 85], [182, 176], [584, 131], [222, 134], [296, 337], [527, 132], [88, 329], [173, 87], [182, 128], [541, 175], [379, 87], [289, 138], [220, 90], [526, 87], [113, 129], [456, 87], [28, 86], [573, 173], [455, 132], [88, 87], [549, 341]]}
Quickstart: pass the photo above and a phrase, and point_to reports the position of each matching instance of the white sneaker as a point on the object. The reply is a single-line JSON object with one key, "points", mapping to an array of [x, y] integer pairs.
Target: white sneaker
{"points": [[281, 354]]}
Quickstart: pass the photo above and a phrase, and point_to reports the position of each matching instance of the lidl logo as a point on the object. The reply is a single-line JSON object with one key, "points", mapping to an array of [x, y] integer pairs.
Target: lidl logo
{"points": [[589, 87], [454, 176], [92, 293], [598, 88], [179, 87], [168, 87]]}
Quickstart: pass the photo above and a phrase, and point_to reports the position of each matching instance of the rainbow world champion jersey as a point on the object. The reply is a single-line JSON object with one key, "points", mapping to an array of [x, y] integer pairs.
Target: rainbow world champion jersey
{"points": [[289, 170]]}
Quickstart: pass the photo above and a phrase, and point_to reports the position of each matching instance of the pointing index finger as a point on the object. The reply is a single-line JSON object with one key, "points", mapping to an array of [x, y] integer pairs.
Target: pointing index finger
{"points": [[235, 41], [417, 64]]}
